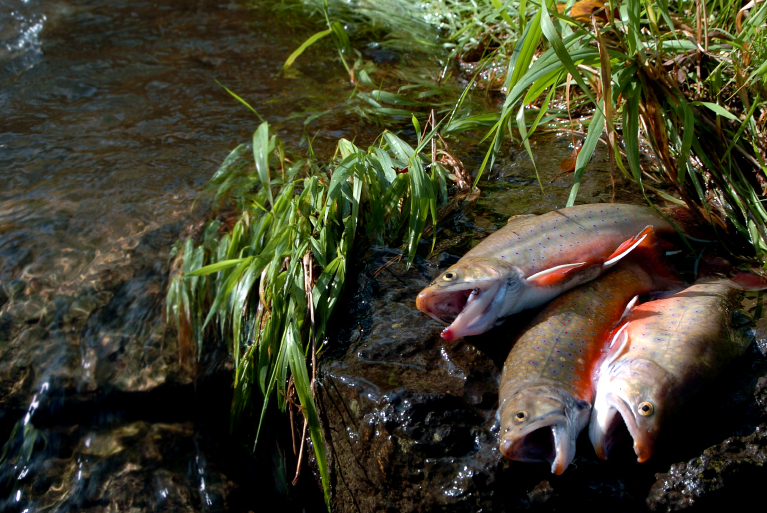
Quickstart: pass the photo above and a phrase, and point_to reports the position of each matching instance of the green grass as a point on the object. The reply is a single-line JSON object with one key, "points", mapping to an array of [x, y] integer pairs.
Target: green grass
{"points": [[268, 281], [686, 78], [699, 121]]}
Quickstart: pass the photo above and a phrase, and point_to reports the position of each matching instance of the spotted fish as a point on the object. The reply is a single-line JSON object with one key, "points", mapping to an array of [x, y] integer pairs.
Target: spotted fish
{"points": [[663, 353], [546, 385], [532, 260]]}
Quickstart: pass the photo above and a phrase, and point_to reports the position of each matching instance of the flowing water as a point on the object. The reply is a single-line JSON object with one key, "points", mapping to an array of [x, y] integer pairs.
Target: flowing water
{"points": [[112, 123]]}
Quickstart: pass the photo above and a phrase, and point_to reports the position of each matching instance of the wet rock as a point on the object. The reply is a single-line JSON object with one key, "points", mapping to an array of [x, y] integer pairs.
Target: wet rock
{"points": [[723, 475], [760, 394], [541, 493], [409, 420]]}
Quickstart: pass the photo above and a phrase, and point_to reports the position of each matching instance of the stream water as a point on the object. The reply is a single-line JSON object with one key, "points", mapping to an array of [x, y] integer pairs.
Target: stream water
{"points": [[112, 123]]}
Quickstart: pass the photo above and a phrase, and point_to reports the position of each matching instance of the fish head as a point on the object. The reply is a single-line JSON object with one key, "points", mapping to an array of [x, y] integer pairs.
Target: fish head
{"points": [[632, 396], [542, 423], [471, 295]]}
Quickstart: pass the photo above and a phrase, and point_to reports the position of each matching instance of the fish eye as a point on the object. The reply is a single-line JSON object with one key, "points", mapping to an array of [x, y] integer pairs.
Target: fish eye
{"points": [[520, 416], [450, 276], [646, 409]]}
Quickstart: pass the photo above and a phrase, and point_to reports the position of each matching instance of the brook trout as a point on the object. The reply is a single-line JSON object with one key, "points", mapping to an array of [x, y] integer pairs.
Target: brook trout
{"points": [[547, 381], [532, 260], [664, 352]]}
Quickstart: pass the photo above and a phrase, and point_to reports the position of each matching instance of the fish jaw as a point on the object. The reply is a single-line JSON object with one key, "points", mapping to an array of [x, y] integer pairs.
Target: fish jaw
{"points": [[548, 434], [609, 415], [618, 400], [473, 299]]}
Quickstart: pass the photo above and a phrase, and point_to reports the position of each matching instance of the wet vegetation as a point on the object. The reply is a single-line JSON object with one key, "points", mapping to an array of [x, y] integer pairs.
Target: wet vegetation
{"points": [[269, 284], [680, 81]]}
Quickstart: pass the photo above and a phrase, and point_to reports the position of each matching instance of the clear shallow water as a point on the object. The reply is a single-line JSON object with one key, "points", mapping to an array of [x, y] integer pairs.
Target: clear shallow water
{"points": [[111, 125]]}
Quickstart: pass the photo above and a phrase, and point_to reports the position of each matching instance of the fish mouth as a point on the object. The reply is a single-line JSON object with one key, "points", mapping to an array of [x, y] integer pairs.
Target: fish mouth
{"points": [[479, 313], [610, 425], [447, 305], [545, 441], [467, 311]]}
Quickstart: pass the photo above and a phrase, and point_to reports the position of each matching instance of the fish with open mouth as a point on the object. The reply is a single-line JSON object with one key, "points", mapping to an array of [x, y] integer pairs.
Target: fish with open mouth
{"points": [[532, 260], [661, 355], [547, 386]]}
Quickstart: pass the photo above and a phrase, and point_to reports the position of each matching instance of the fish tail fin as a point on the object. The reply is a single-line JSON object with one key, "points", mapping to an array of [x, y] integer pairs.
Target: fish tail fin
{"points": [[712, 266], [692, 226], [648, 254], [750, 281]]}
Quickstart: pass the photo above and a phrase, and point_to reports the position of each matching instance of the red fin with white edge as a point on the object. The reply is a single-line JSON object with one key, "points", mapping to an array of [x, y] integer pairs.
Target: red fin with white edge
{"points": [[645, 238], [647, 254], [618, 343], [554, 275], [629, 307]]}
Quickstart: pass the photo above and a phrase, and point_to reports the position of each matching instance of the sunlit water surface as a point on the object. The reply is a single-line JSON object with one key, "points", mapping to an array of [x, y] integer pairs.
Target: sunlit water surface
{"points": [[112, 123]]}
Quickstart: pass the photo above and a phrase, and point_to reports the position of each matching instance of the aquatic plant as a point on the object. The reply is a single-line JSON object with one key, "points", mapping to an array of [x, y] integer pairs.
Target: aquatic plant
{"points": [[267, 279]]}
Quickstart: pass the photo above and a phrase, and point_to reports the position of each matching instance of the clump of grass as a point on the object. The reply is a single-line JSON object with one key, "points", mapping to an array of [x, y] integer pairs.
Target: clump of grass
{"points": [[268, 279], [689, 83], [685, 77]]}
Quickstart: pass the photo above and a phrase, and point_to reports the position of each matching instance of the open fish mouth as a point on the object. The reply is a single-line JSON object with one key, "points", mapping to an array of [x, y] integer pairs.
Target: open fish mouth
{"points": [[612, 426], [447, 306], [468, 311], [536, 446], [544, 442], [615, 432]]}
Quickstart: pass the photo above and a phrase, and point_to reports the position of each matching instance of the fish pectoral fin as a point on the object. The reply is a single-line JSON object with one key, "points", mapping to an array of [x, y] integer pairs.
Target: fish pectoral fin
{"points": [[554, 275], [645, 238], [618, 343], [629, 307]]}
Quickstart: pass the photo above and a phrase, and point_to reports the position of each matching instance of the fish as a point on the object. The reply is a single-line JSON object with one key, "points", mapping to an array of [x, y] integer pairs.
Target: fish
{"points": [[531, 260], [547, 387], [663, 353]]}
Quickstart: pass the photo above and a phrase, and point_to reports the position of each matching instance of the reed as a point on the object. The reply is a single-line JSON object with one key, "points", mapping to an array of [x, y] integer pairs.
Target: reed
{"points": [[267, 280], [692, 89]]}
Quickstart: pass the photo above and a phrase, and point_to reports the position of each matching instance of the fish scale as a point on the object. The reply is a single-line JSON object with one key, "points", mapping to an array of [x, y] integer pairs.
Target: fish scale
{"points": [[531, 260], [566, 235], [567, 337], [688, 330], [666, 350], [548, 376]]}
